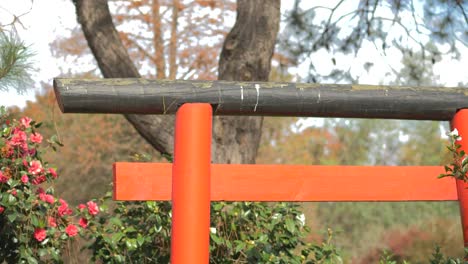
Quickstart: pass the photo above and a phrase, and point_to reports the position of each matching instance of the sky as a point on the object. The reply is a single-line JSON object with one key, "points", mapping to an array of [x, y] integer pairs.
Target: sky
{"points": [[47, 20]]}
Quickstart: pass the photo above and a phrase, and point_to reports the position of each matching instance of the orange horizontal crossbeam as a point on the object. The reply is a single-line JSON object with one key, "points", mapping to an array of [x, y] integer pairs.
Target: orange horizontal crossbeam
{"points": [[229, 182]]}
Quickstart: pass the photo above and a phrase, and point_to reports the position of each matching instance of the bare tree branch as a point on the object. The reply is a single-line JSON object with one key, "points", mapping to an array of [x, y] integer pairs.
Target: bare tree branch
{"points": [[173, 41], [158, 41]]}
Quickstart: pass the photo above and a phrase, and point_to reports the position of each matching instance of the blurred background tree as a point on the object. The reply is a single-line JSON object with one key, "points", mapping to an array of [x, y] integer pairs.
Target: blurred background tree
{"points": [[427, 30], [165, 39]]}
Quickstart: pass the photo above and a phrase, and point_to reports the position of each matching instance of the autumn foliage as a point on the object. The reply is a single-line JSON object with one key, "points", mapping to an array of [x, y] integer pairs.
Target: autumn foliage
{"points": [[166, 39]]}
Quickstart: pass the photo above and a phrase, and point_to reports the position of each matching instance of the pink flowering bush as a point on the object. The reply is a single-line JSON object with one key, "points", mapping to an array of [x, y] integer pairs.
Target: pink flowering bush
{"points": [[35, 225]]}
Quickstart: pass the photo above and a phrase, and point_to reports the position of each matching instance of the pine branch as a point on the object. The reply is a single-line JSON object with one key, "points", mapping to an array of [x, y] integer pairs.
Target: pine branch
{"points": [[15, 65]]}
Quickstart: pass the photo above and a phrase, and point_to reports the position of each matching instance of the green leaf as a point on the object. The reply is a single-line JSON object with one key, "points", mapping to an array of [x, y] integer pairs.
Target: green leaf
{"points": [[12, 217], [42, 252], [151, 204], [13, 183], [465, 161], [34, 221], [140, 240], [32, 260], [240, 246], [130, 229], [118, 258], [11, 198], [218, 206], [55, 255], [116, 237], [157, 229], [228, 244], [54, 139], [116, 221], [216, 239], [290, 226], [131, 244]]}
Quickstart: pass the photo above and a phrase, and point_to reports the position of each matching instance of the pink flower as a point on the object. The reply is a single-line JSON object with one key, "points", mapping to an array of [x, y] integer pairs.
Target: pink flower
{"points": [[40, 234], [13, 192], [39, 179], [35, 167], [63, 209], [32, 152], [36, 138], [71, 230], [53, 173], [52, 221], [42, 196], [83, 222], [25, 121], [2, 209], [24, 147], [81, 206], [63, 202], [16, 130], [40, 190], [24, 178], [18, 138], [47, 198], [3, 179], [93, 209]]}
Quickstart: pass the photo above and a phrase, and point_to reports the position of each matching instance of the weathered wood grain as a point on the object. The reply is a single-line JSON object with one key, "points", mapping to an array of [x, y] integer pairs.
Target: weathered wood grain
{"points": [[142, 96]]}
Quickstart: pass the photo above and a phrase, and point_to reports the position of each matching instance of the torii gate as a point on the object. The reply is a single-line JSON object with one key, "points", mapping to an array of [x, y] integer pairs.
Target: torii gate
{"points": [[191, 182]]}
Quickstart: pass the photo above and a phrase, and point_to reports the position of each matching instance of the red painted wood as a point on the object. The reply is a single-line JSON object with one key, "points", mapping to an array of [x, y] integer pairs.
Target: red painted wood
{"points": [[460, 122], [152, 181], [190, 238]]}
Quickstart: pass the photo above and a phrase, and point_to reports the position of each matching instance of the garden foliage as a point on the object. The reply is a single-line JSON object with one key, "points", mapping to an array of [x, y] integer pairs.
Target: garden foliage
{"points": [[241, 232], [36, 226]]}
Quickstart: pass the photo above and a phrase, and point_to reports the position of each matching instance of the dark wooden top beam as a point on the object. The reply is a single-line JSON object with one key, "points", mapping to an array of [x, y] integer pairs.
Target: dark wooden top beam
{"points": [[142, 96]]}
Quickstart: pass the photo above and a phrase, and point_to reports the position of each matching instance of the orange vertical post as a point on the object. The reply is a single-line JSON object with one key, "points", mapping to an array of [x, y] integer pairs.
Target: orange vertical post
{"points": [[460, 122], [191, 184]]}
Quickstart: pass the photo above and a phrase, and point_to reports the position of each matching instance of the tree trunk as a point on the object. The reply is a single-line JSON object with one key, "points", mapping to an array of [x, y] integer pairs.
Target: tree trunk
{"points": [[114, 62], [246, 56]]}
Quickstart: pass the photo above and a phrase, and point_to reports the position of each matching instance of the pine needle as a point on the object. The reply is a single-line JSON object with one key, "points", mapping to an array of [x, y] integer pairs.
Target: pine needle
{"points": [[15, 65]]}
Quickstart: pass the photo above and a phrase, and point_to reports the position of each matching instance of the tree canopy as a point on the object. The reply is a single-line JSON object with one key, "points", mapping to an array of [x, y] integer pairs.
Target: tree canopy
{"points": [[431, 29]]}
